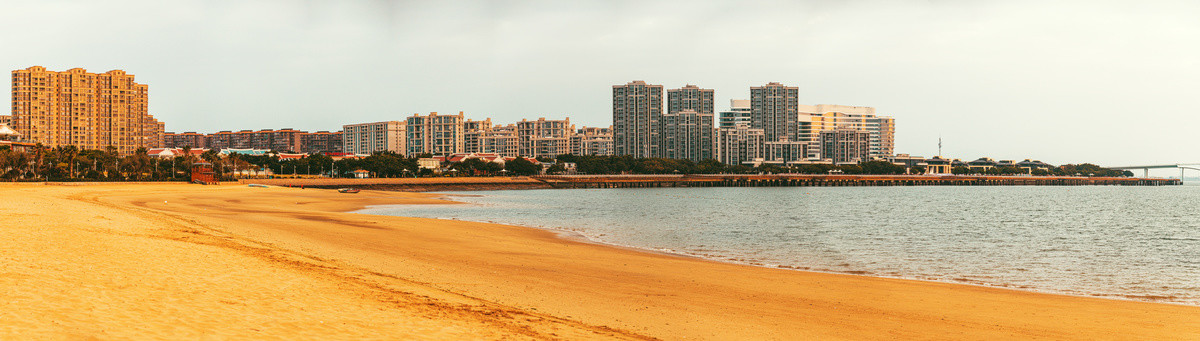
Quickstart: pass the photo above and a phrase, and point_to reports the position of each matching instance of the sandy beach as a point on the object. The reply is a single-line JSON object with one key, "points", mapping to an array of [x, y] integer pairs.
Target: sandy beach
{"points": [[177, 261]]}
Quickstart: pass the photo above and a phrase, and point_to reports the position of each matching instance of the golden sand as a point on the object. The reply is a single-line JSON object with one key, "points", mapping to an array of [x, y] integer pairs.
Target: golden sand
{"points": [[186, 261]]}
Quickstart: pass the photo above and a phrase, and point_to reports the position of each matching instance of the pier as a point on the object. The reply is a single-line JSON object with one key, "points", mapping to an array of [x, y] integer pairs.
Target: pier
{"points": [[435, 184], [811, 180]]}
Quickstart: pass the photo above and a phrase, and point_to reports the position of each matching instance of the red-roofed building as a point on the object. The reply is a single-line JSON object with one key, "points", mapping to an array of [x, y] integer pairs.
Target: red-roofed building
{"points": [[288, 156]]}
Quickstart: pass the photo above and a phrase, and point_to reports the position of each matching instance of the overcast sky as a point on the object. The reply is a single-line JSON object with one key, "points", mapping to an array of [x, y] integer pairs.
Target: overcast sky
{"points": [[1111, 83]]}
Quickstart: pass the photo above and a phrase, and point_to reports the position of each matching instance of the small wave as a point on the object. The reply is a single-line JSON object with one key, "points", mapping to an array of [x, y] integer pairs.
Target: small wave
{"points": [[1152, 297]]}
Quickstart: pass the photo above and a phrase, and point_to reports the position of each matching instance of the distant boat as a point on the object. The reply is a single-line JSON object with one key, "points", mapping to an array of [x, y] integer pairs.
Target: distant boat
{"points": [[347, 190]]}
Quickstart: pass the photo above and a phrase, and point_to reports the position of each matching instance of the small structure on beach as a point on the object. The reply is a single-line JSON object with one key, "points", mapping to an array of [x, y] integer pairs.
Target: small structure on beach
{"points": [[202, 173]]}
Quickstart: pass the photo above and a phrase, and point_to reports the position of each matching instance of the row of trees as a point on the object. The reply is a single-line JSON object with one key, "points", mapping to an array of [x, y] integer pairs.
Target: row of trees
{"points": [[67, 163], [1085, 169], [383, 164]]}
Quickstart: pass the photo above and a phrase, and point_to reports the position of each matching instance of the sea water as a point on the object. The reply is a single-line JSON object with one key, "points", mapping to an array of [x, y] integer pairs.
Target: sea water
{"points": [[1138, 243]]}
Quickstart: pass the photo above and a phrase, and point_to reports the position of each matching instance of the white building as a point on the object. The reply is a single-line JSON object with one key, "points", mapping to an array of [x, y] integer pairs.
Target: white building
{"points": [[739, 111], [815, 119]]}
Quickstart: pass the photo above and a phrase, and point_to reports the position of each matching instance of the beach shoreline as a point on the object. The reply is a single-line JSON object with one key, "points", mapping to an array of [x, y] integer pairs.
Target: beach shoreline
{"points": [[579, 236], [463, 279]]}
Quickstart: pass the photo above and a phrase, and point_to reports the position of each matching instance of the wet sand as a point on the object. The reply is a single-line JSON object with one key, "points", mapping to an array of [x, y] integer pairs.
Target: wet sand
{"points": [[189, 261]]}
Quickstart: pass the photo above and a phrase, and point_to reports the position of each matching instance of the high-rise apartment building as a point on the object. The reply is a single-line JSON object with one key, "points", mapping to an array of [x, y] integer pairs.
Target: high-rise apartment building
{"points": [[845, 145], [87, 110], [687, 127], [637, 115], [436, 134], [6, 120], [739, 144], [322, 142], [687, 135], [690, 97], [739, 111], [592, 141], [544, 138], [773, 109], [367, 138]]}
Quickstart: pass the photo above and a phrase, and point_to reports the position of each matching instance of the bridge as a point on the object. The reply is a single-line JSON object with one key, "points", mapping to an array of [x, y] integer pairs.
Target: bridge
{"points": [[1146, 169]]}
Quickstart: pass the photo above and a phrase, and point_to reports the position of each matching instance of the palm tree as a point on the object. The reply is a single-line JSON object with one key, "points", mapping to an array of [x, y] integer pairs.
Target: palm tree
{"points": [[39, 158], [69, 154], [6, 160], [139, 163]]}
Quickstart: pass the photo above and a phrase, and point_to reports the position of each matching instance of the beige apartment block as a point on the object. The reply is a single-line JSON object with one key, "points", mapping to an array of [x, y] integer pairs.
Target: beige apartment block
{"points": [[472, 131], [367, 138], [816, 119], [544, 138], [436, 134], [883, 140], [501, 140], [87, 110], [637, 115], [773, 109], [592, 141]]}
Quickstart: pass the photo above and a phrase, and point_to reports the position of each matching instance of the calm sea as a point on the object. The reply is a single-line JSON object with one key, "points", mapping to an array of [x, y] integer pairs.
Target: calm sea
{"points": [[1122, 242]]}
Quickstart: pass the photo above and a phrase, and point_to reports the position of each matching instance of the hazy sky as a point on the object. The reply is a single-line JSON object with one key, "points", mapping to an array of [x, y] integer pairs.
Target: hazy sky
{"points": [[1107, 82]]}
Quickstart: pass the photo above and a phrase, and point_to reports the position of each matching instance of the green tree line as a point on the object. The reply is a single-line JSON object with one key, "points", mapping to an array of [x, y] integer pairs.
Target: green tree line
{"points": [[1085, 169], [69, 163]]}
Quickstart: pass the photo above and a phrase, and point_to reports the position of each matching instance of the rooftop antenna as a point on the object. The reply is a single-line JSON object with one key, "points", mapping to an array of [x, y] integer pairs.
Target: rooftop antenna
{"points": [[939, 145]]}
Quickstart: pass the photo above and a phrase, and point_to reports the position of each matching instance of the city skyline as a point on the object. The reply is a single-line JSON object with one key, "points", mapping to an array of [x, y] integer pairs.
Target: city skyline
{"points": [[974, 75]]}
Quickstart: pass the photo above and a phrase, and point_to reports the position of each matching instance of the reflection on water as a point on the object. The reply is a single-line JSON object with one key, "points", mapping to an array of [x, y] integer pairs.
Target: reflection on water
{"points": [[1125, 242]]}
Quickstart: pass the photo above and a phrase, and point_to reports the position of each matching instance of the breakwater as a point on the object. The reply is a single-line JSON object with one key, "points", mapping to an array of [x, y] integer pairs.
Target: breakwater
{"points": [[790, 180]]}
